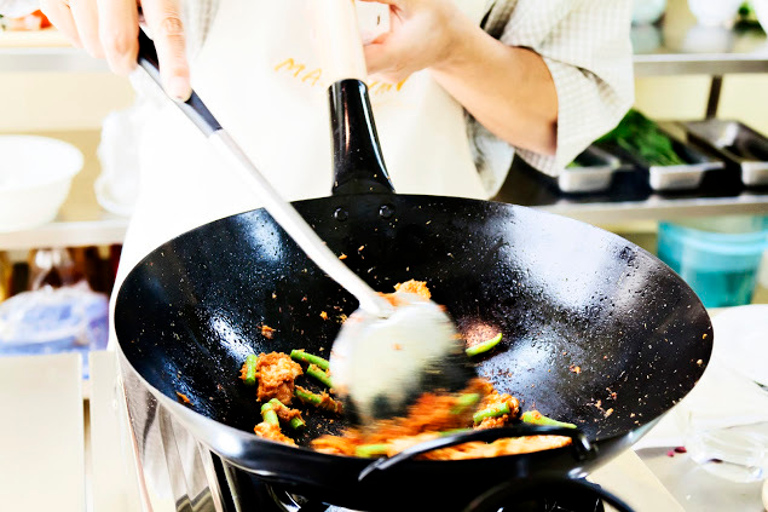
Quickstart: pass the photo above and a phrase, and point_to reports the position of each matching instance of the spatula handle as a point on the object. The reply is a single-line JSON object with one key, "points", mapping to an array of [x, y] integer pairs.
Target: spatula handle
{"points": [[193, 108], [280, 210]]}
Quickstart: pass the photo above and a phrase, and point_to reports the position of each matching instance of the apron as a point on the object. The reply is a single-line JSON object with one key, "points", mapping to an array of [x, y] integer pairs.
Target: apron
{"points": [[265, 86], [260, 75]]}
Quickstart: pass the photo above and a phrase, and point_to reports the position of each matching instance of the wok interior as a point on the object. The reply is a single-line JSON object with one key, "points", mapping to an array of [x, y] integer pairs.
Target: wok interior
{"points": [[596, 331]]}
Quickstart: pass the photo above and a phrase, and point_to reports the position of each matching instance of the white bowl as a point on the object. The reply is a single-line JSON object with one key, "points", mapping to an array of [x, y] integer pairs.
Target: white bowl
{"points": [[646, 12], [761, 11], [35, 176], [715, 12]]}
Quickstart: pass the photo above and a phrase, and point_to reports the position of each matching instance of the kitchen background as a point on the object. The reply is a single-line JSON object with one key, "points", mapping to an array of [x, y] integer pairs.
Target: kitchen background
{"points": [[687, 68], [62, 93]]}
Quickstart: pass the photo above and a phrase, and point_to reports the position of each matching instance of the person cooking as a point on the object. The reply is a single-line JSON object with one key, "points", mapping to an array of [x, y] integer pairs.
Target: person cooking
{"points": [[459, 88]]}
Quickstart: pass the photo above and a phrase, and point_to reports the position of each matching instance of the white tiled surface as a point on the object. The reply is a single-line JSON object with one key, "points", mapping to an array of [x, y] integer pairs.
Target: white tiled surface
{"points": [[698, 491], [48, 458], [42, 461], [111, 473], [693, 487], [630, 479]]}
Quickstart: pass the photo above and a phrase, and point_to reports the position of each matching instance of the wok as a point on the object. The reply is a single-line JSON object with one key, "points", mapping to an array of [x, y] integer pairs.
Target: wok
{"points": [[596, 331]]}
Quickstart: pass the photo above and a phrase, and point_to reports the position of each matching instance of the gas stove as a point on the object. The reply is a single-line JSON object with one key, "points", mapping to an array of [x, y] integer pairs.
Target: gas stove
{"points": [[264, 498], [179, 474], [100, 462], [244, 491]]}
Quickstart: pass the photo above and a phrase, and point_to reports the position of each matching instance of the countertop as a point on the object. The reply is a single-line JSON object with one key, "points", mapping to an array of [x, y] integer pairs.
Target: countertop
{"points": [[77, 450]]}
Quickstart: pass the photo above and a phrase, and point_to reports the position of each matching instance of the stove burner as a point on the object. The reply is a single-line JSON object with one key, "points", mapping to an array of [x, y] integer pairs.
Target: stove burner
{"points": [[553, 502], [253, 494]]}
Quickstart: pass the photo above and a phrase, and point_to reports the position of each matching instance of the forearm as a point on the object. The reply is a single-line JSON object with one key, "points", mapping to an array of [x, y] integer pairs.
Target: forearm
{"points": [[509, 90]]}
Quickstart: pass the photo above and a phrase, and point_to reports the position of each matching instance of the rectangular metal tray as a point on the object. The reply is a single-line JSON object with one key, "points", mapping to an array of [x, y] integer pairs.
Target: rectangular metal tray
{"points": [[737, 144], [671, 177], [593, 172]]}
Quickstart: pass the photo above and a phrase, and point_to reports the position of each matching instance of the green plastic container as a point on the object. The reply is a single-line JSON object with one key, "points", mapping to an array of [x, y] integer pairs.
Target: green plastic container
{"points": [[719, 257]]}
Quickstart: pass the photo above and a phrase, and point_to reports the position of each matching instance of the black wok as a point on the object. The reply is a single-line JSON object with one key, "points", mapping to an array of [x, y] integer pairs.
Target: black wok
{"points": [[597, 331]]}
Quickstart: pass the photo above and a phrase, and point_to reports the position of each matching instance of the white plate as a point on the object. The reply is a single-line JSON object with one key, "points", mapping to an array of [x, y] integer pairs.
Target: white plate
{"points": [[741, 340]]}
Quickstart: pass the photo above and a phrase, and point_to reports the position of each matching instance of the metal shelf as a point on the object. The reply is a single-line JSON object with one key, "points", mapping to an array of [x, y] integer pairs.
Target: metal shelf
{"points": [[49, 60], [44, 51], [83, 222], [631, 199], [110, 230], [675, 46], [678, 45], [703, 64], [79, 233], [658, 208]]}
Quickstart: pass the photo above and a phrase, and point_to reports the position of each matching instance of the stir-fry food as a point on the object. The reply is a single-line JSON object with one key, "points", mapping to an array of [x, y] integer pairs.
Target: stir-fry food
{"points": [[479, 406]]}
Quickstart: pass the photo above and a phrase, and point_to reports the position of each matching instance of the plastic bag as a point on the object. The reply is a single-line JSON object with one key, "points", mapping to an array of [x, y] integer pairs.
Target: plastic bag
{"points": [[53, 320], [117, 187]]}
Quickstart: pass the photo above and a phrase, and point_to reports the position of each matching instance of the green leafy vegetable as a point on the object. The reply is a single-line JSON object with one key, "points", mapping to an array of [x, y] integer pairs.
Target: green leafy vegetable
{"points": [[642, 137]]}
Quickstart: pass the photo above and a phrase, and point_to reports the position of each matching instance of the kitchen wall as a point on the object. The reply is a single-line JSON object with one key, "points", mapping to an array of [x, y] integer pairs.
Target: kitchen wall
{"points": [[669, 98], [60, 101]]}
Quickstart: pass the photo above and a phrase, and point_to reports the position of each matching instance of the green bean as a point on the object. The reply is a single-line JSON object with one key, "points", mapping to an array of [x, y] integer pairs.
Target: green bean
{"points": [[464, 402], [301, 356], [320, 401], [296, 422], [536, 418], [484, 346], [494, 411], [368, 451], [320, 374], [249, 373], [269, 415]]}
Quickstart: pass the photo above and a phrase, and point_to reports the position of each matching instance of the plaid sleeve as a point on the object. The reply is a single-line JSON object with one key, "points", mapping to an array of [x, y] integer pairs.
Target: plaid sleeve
{"points": [[586, 45], [198, 18]]}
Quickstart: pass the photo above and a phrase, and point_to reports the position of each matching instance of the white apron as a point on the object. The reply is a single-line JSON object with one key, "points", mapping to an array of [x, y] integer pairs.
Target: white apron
{"points": [[260, 75]]}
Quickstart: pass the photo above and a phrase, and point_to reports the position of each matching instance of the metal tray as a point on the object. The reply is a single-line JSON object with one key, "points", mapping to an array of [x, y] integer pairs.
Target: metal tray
{"points": [[593, 172], [739, 145], [671, 177]]}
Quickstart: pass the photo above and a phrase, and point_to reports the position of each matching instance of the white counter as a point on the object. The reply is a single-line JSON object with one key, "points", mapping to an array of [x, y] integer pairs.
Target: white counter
{"points": [[61, 452]]}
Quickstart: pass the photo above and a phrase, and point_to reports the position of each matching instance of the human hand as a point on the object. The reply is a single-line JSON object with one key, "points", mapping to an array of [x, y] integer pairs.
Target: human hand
{"points": [[110, 29], [423, 34]]}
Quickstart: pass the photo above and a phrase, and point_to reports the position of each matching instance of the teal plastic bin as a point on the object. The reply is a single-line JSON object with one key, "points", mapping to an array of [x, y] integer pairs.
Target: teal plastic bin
{"points": [[719, 258]]}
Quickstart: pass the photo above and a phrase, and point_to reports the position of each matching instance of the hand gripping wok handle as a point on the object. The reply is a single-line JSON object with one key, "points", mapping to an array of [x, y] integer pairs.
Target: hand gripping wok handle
{"points": [[339, 41], [357, 157], [283, 213], [583, 449]]}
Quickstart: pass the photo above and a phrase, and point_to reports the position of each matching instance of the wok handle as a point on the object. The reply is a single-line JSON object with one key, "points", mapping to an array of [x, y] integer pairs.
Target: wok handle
{"points": [[583, 449], [358, 164], [357, 157], [542, 484], [283, 213]]}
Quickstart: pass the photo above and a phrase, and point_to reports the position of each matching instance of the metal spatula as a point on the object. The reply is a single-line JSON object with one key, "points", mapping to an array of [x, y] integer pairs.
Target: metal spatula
{"points": [[386, 354]]}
